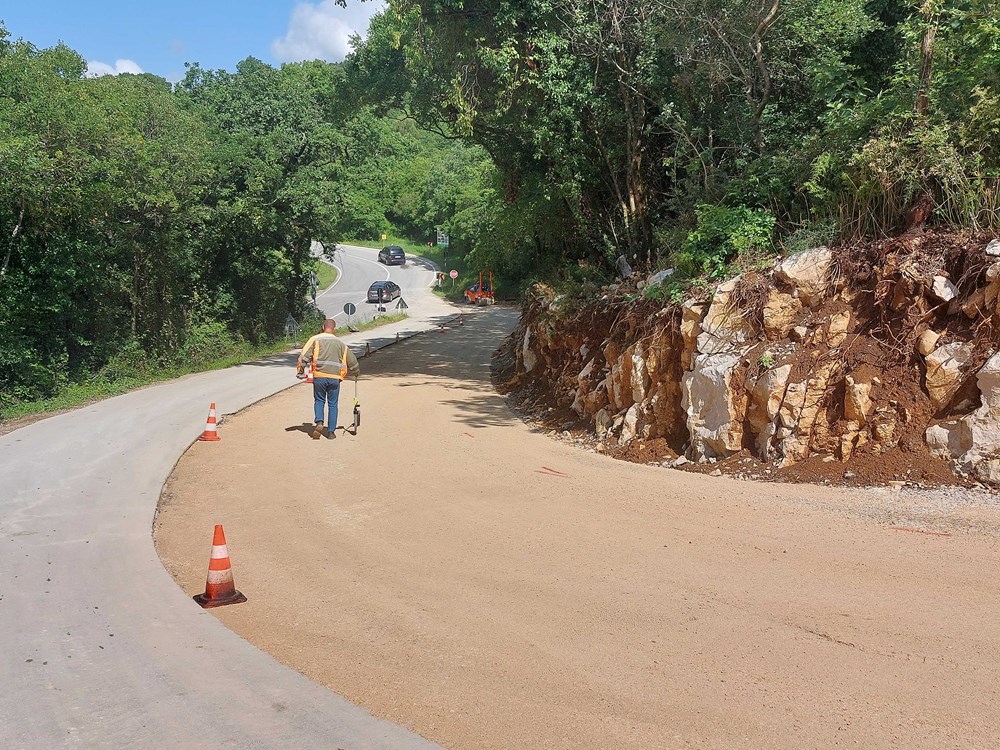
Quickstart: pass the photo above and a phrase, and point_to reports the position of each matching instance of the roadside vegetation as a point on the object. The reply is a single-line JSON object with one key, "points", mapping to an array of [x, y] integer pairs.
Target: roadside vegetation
{"points": [[150, 230], [138, 219], [705, 136], [381, 320], [122, 376], [325, 275]]}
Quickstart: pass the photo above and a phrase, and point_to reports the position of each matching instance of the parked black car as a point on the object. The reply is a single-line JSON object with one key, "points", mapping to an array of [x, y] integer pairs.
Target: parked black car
{"points": [[392, 255], [390, 291]]}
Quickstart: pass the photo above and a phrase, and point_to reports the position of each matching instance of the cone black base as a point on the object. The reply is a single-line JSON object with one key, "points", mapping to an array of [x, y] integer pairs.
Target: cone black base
{"points": [[235, 598]]}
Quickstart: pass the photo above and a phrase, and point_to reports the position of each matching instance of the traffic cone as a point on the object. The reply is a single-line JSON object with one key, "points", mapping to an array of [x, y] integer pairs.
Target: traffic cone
{"points": [[309, 374], [210, 433], [219, 587]]}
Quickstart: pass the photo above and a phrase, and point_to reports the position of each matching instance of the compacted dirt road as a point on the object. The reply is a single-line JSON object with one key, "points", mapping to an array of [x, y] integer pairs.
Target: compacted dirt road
{"points": [[454, 571]]}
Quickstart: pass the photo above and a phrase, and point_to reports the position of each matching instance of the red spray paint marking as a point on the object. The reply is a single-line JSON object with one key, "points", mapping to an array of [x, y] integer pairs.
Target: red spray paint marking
{"points": [[468, 435], [919, 531], [550, 472]]}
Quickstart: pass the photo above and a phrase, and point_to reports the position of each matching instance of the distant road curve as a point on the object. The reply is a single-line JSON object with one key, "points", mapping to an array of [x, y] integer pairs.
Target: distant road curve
{"points": [[358, 267]]}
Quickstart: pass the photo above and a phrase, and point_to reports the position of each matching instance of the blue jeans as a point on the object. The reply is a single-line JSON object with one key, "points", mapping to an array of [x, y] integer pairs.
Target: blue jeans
{"points": [[326, 391]]}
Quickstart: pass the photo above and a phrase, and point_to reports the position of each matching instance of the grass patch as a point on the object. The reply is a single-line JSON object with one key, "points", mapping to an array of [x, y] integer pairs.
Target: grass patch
{"points": [[99, 387], [382, 320], [325, 274]]}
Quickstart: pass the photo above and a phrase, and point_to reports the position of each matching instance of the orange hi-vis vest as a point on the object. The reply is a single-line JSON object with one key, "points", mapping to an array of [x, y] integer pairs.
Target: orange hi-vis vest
{"points": [[328, 357], [318, 364]]}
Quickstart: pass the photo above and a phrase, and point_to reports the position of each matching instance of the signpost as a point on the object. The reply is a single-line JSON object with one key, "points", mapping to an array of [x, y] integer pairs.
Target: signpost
{"points": [[442, 237], [350, 309], [454, 275]]}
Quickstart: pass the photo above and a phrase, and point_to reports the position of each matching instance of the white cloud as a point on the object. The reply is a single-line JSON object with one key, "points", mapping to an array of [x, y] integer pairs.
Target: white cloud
{"points": [[97, 68], [321, 31]]}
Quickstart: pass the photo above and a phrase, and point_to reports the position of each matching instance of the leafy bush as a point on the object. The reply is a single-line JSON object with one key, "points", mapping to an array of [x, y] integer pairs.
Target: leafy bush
{"points": [[655, 292], [207, 341], [125, 364], [723, 235]]}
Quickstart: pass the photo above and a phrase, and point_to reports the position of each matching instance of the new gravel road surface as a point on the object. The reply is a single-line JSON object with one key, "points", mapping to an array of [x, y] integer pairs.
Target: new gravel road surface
{"points": [[454, 571]]}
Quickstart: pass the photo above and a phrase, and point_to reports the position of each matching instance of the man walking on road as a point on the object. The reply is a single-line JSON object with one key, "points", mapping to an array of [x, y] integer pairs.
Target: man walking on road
{"points": [[332, 361]]}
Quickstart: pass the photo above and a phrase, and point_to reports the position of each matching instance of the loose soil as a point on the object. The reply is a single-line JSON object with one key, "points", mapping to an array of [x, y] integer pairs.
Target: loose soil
{"points": [[453, 569]]}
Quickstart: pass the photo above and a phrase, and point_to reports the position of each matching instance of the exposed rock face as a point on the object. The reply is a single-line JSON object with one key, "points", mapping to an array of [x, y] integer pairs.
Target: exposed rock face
{"points": [[807, 273], [722, 327], [528, 357], [944, 371], [766, 398], [989, 472], [630, 424], [781, 311], [692, 313], [794, 378], [857, 400], [975, 436], [927, 342], [943, 289], [602, 423], [714, 411], [840, 324]]}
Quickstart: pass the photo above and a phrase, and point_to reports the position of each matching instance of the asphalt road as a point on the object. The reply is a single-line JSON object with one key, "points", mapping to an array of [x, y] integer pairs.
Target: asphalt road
{"points": [[357, 268], [101, 649]]}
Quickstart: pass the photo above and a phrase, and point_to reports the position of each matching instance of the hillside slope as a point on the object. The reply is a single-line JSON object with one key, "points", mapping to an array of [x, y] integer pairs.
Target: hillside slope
{"points": [[866, 364]]}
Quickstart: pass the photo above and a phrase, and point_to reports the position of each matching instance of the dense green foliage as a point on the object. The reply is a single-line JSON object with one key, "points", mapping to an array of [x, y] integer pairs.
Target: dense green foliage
{"points": [[144, 226], [616, 125]]}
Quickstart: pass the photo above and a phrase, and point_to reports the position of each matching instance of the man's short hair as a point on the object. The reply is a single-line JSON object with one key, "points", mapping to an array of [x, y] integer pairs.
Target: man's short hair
{"points": [[331, 324]]}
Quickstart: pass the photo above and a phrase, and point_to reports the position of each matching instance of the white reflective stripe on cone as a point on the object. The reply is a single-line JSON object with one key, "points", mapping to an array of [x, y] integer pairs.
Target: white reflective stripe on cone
{"points": [[220, 576], [219, 552]]}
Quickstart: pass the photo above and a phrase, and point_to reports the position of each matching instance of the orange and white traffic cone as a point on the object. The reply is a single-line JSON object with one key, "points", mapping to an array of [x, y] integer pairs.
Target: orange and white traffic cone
{"points": [[219, 587], [210, 433], [309, 374]]}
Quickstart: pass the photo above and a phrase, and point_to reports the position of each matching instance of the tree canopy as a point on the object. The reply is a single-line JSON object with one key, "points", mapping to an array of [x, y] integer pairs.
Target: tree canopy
{"points": [[618, 120], [144, 223]]}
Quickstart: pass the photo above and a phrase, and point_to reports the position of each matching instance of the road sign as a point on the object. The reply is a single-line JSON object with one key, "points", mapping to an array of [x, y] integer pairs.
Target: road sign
{"points": [[350, 309], [453, 274], [442, 238], [384, 237]]}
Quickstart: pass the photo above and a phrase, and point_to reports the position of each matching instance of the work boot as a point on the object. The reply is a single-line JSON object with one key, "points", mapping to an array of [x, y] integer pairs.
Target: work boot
{"points": [[332, 433], [317, 431]]}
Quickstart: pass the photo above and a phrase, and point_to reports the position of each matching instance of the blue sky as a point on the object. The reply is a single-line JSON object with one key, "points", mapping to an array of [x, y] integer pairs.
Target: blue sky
{"points": [[159, 37]]}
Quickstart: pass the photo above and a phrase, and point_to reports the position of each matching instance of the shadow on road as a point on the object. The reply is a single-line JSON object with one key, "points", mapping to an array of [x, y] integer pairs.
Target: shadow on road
{"points": [[456, 358], [306, 429]]}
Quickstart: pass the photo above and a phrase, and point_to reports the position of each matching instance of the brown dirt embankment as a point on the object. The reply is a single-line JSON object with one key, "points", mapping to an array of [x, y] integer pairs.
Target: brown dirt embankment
{"points": [[869, 364]]}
